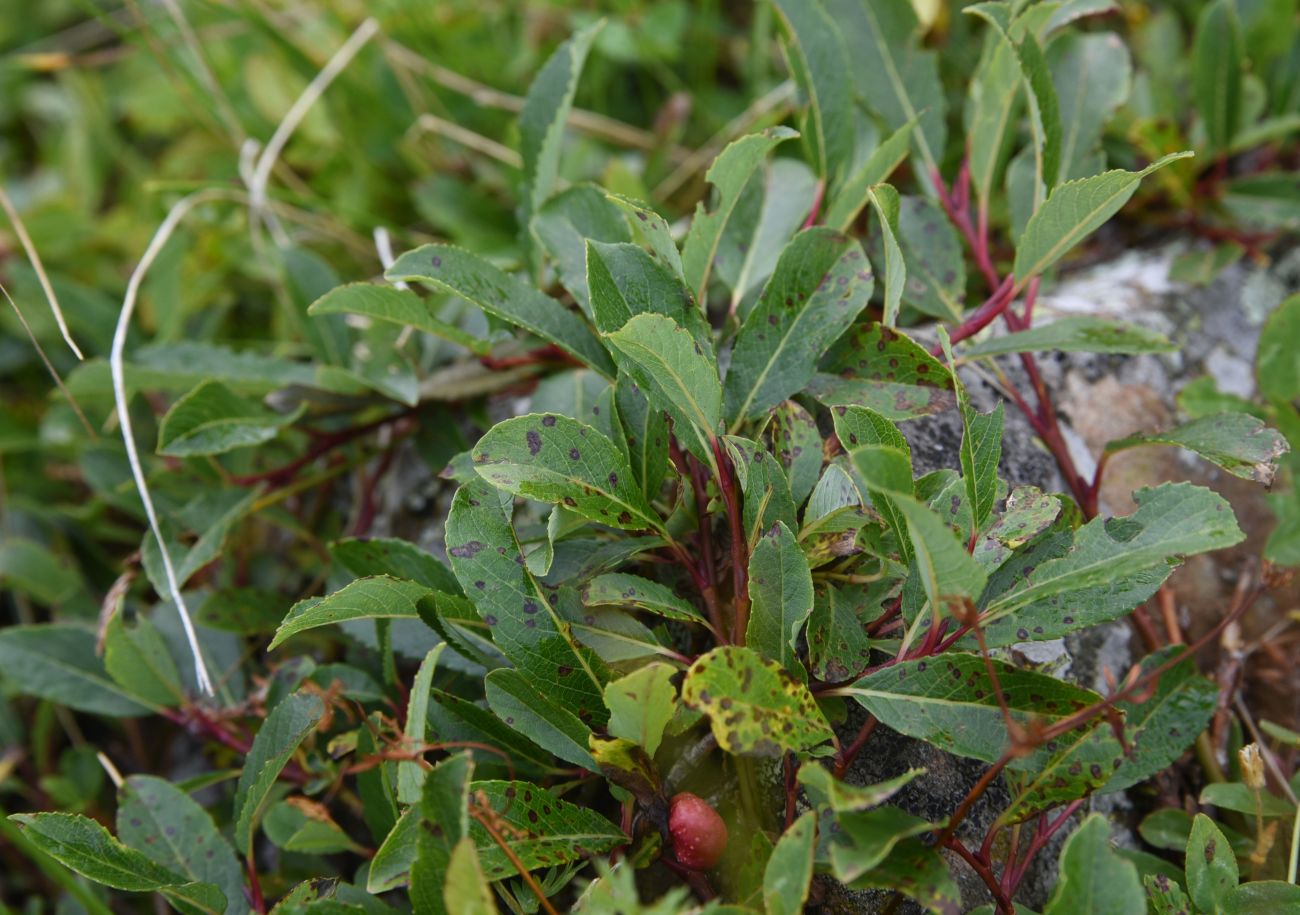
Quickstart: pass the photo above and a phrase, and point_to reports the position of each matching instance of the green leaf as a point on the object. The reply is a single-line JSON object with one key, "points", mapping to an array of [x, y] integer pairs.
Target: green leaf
{"points": [[1242, 799], [919, 872], [520, 705], [653, 231], [899, 81], [950, 702], [620, 589], [507, 297], [992, 100], [790, 868], [754, 707], [163, 823], [1240, 444], [797, 444], [545, 112], [728, 174], [487, 559], [285, 728], [821, 282], [395, 306], [444, 814], [392, 862], [646, 435], [138, 660], [1277, 364], [376, 597], [1094, 880], [1200, 267], [1092, 73], [393, 556], [947, 571], [33, 569], [854, 195], [772, 208], [1073, 211], [571, 220], [866, 839], [467, 891], [1262, 896], [1268, 200], [884, 201], [1211, 866], [542, 829], [410, 774], [86, 847], [641, 705], [676, 374], [822, 62], [1078, 334], [211, 515], [1172, 520], [625, 280], [552, 458], [1165, 896], [981, 450], [1217, 72], [57, 661], [212, 419], [302, 825], [781, 592], [842, 797]]}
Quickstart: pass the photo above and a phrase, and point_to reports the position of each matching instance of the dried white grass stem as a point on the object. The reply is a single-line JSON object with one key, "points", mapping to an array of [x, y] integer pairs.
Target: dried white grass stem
{"points": [[261, 174], [26, 240], [160, 238], [468, 138]]}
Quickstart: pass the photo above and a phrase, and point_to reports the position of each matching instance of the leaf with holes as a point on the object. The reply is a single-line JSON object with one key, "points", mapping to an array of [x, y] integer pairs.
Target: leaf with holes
{"points": [[1240, 444], [516, 608], [507, 297], [541, 829], [821, 282], [754, 707], [552, 458]]}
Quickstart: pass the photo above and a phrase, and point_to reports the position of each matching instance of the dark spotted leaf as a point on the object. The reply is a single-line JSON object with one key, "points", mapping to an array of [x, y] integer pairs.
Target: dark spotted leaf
{"points": [[932, 253], [884, 370], [838, 646], [163, 823], [754, 707], [542, 829], [820, 284], [629, 767], [728, 174], [84, 846], [790, 867], [377, 597], [797, 443], [212, 419], [1240, 444], [277, 740], [676, 374], [950, 702], [487, 559], [1082, 333], [621, 589], [443, 820], [552, 458], [1211, 866], [1094, 880], [507, 297], [583, 395], [1165, 896], [545, 111], [641, 704], [517, 702], [781, 596], [763, 482], [395, 306], [1172, 521], [567, 223], [857, 426], [892, 399]]}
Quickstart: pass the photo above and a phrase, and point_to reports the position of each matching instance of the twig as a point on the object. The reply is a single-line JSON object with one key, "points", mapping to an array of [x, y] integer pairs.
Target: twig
{"points": [[26, 241]]}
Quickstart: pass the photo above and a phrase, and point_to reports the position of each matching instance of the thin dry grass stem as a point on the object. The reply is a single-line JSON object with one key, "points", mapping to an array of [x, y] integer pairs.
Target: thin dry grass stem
{"points": [[26, 241], [431, 123], [225, 110], [49, 366]]}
